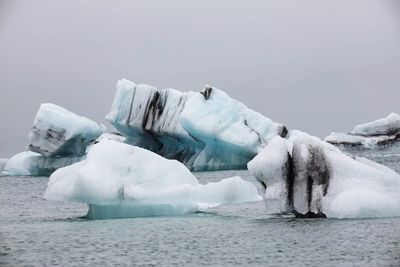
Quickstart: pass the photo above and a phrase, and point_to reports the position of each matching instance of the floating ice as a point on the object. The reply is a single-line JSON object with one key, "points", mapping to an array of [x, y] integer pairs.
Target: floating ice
{"points": [[3, 163], [29, 163], [58, 138], [59, 132], [384, 126], [272, 170], [384, 131], [119, 180], [205, 131], [311, 178]]}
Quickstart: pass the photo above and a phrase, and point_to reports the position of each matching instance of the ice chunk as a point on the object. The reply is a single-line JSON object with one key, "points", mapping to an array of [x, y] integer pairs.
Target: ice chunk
{"points": [[385, 131], [232, 133], [3, 163], [205, 131], [120, 180], [272, 168], [343, 138], [29, 163], [58, 138], [384, 126], [59, 132], [323, 181]]}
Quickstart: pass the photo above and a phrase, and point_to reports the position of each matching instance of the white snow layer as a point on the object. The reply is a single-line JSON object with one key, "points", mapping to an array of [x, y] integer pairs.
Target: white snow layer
{"points": [[309, 177], [119, 180], [205, 131], [269, 169], [111, 136], [59, 132]]}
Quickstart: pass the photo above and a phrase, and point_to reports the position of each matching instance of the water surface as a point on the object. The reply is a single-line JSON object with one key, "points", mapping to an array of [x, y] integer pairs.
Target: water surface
{"points": [[37, 232]]}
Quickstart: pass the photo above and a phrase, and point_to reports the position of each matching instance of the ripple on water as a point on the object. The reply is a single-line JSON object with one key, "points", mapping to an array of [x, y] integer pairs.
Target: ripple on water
{"points": [[42, 233]]}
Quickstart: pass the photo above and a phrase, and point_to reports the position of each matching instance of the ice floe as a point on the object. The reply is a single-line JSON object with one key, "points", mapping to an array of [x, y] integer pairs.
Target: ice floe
{"points": [[311, 178], [120, 180]]}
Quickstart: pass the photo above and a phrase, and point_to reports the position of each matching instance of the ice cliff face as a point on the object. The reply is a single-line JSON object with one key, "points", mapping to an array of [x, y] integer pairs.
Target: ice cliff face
{"points": [[206, 131], [381, 132], [118, 180], [58, 138], [311, 178]]}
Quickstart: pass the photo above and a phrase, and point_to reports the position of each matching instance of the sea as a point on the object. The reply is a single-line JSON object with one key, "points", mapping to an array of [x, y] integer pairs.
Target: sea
{"points": [[37, 232]]}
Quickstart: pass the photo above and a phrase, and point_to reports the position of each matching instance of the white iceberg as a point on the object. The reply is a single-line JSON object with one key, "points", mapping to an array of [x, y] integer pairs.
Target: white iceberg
{"points": [[119, 180], [311, 178], [205, 131], [272, 168], [384, 126], [59, 132], [381, 132], [58, 138], [29, 163]]}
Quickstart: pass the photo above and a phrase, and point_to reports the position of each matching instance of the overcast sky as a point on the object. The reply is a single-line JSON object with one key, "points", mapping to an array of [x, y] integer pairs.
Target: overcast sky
{"points": [[317, 66]]}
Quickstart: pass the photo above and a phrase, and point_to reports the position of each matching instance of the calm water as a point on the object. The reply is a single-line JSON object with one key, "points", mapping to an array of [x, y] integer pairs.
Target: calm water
{"points": [[44, 233]]}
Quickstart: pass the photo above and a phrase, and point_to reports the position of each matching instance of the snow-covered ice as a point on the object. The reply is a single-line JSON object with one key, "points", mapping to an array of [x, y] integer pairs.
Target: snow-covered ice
{"points": [[205, 131], [272, 170], [309, 177], [59, 132], [120, 180], [384, 131]]}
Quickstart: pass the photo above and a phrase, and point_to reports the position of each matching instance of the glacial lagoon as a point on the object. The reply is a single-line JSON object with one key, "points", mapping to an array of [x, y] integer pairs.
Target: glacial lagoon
{"points": [[37, 232]]}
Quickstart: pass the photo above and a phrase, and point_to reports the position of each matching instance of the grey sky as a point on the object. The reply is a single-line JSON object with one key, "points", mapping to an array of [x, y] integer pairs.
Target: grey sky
{"points": [[318, 66]]}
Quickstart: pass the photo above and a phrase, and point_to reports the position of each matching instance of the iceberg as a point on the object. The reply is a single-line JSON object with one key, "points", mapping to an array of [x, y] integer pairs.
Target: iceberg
{"points": [[205, 131], [29, 163], [59, 132], [119, 180], [3, 163], [311, 178], [371, 135], [58, 138], [384, 126]]}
